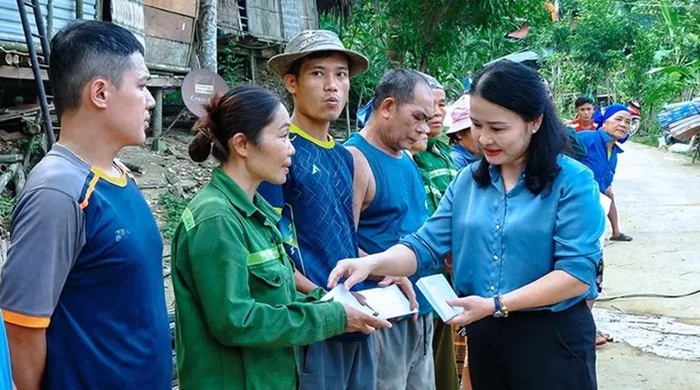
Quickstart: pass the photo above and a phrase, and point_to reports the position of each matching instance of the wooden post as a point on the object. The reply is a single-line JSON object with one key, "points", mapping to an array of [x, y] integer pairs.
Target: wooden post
{"points": [[78, 9], [11, 158], [347, 119], [157, 120], [8, 175], [20, 179], [49, 21], [208, 11], [3, 246], [251, 56]]}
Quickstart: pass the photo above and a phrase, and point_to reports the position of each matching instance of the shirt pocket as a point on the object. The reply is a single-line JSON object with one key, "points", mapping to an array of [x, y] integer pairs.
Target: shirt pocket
{"points": [[269, 279]]}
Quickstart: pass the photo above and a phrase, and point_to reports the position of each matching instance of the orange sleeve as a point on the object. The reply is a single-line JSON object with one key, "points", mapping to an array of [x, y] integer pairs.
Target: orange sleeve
{"points": [[25, 320]]}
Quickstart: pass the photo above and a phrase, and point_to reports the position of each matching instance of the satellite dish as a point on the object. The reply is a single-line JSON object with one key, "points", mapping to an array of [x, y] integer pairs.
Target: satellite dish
{"points": [[198, 87]]}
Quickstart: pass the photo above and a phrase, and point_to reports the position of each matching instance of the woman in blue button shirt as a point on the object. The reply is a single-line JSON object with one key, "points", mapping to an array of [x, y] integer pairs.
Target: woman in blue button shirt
{"points": [[523, 226]]}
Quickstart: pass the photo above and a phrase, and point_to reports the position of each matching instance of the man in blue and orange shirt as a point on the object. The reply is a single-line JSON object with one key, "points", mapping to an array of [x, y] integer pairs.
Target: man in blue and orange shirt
{"points": [[82, 292]]}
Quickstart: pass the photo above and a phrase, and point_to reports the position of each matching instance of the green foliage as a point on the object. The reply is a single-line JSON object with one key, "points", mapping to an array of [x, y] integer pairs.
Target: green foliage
{"points": [[444, 38], [35, 149], [6, 207], [174, 206], [174, 97], [649, 139], [644, 50], [231, 65], [631, 50]]}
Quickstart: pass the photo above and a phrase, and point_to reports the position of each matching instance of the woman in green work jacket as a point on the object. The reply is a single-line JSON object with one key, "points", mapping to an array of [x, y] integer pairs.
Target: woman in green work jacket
{"points": [[238, 315]]}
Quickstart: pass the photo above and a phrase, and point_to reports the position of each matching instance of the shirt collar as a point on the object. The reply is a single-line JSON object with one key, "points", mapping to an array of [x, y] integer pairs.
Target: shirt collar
{"points": [[464, 151], [577, 124], [607, 138], [239, 199], [432, 147], [327, 144], [495, 172]]}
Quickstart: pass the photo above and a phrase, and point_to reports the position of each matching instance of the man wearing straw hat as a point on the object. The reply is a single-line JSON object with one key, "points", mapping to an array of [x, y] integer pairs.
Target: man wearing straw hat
{"points": [[316, 201]]}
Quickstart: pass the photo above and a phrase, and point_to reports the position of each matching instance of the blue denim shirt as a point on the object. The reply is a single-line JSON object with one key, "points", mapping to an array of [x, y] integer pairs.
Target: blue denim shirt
{"points": [[461, 157], [503, 241], [596, 143]]}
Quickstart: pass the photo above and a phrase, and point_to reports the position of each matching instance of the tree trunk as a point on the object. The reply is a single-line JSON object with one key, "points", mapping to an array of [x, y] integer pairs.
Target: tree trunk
{"points": [[394, 54], [207, 34], [3, 247]]}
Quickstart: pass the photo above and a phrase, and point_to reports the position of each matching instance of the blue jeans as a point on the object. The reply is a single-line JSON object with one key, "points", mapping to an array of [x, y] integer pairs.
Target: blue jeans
{"points": [[338, 365]]}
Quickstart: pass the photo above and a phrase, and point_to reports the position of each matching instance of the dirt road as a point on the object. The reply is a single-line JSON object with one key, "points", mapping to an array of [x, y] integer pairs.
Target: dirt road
{"points": [[657, 341]]}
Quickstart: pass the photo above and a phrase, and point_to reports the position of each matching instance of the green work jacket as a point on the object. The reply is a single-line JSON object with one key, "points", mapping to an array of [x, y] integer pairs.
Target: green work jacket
{"points": [[437, 170], [238, 315]]}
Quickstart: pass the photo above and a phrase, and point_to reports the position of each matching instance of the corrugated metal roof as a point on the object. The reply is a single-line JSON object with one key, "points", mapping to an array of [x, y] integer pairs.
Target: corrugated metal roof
{"points": [[63, 13]]}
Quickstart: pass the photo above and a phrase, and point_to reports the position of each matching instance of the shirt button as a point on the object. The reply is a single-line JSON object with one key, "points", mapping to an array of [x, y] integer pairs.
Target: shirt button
{"points": [[495, 257], [498, 227], [491, 288]]}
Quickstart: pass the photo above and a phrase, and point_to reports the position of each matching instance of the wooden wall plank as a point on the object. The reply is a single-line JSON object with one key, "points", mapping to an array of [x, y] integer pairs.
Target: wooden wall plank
{"points": [[20, 73], [168, 25], [166, 52], [182, 7], [291, 18], [228, 16], [129, 14], [309, 15], [264, 23]]}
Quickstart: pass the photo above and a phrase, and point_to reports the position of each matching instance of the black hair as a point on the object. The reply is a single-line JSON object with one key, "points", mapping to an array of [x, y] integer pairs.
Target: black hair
{"points": [[453, 138], [519, 88], [246, 109], [581, 100], [84, 50], [399, 84], [295, 67]]}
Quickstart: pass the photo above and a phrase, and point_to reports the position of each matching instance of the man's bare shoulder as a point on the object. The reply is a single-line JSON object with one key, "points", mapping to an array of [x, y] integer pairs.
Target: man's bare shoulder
{"points": [[362, 167], [357, 155]]}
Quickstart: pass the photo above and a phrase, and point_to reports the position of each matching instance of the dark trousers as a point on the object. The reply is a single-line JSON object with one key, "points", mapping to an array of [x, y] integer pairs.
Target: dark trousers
{"points": [[446, 377], [538, 350]]}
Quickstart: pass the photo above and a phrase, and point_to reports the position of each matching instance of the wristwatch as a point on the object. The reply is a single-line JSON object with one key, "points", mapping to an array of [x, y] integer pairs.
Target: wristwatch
{"points": [[500, 305]]}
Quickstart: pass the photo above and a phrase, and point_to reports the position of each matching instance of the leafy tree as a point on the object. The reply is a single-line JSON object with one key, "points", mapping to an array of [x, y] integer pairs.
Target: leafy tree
{"points": [[445, 38], [645, 50], [641, 50]]}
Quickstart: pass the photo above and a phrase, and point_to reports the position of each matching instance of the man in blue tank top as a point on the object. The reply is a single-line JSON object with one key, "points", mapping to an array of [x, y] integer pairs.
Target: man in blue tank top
{"points": [[390, 198], [316, 200]]}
